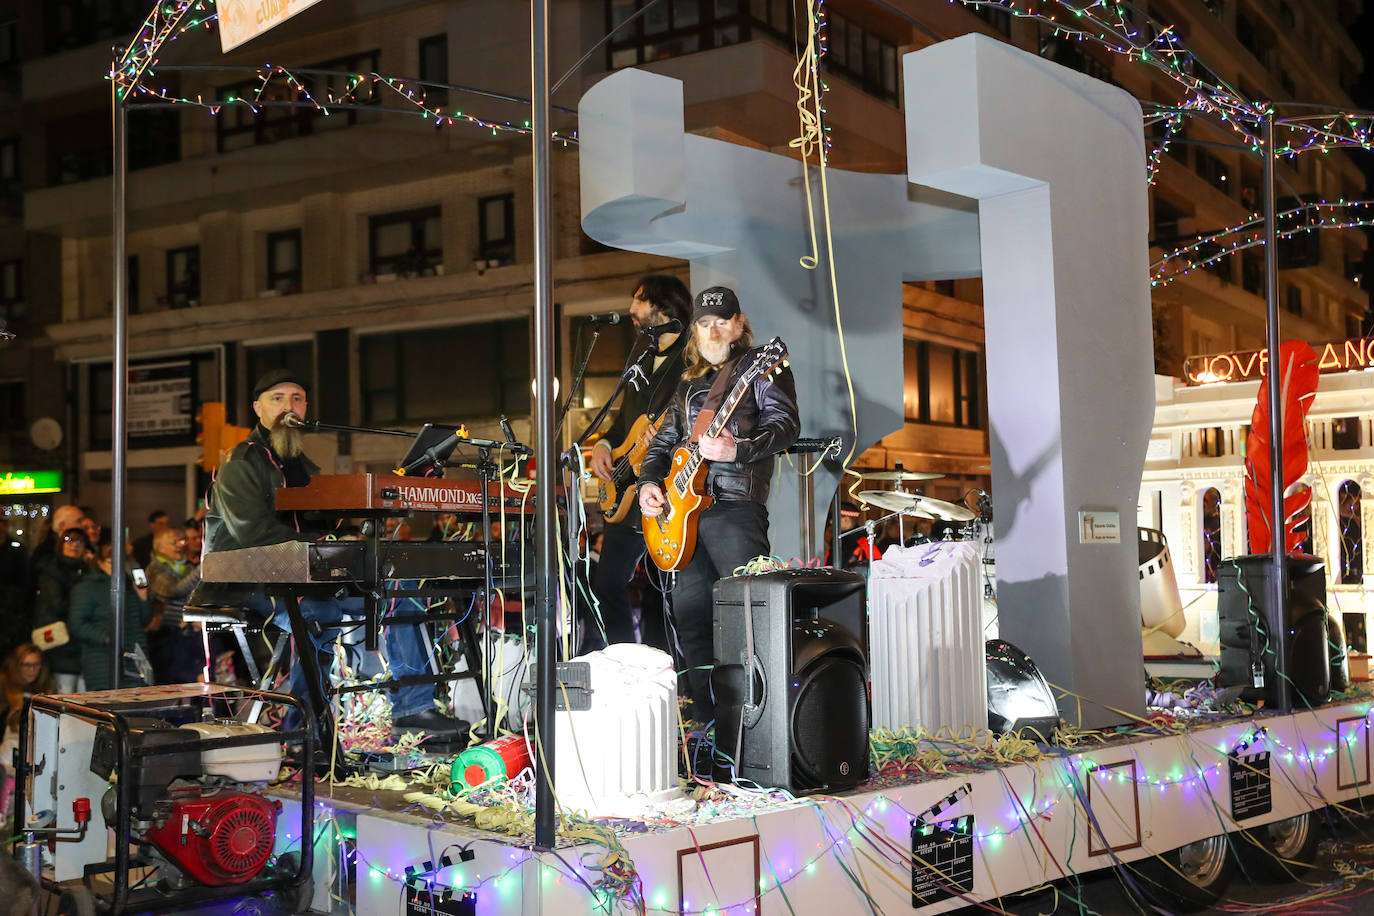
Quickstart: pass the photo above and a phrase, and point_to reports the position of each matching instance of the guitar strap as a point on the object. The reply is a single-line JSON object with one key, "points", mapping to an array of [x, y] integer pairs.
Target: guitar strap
{"points": [[724, 376]]}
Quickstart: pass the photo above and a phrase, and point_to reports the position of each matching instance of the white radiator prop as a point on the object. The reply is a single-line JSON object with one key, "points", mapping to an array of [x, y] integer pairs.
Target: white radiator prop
{"points": [[925, 636], [619, 756]]}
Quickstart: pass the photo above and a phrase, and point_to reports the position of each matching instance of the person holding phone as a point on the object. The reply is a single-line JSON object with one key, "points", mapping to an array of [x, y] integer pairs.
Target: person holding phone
{"points": [[90, 623], [175, 648]]}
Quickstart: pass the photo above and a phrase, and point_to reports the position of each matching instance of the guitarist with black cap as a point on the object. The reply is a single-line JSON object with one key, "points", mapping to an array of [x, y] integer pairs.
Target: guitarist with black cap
{"points": [[658, 299], [733, 529]]}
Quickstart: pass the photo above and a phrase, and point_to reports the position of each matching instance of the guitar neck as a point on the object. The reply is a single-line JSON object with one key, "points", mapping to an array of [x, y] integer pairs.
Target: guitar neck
{"points": [[718, 422]]}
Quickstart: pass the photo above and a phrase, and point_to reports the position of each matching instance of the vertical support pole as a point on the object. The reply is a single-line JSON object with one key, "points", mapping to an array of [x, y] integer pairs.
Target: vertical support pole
{"points": [[546, 658], [1278, 583], [119, 373]]}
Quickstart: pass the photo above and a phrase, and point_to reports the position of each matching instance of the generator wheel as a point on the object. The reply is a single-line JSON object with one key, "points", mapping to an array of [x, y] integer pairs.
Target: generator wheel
{"points": [[294, 899], [1282, 851], [1189, 878], [76, 900]]}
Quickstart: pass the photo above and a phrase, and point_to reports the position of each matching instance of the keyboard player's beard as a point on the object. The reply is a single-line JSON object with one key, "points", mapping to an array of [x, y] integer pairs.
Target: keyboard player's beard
{"points": [[286, 441]]}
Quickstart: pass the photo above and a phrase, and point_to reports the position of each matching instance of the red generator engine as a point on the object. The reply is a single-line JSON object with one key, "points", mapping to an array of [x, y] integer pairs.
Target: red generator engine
{"points": [[216, 837], [196, 810]]}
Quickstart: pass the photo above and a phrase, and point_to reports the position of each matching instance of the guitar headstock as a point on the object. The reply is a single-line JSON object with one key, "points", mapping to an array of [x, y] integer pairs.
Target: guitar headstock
{"points": [[770, 359]]}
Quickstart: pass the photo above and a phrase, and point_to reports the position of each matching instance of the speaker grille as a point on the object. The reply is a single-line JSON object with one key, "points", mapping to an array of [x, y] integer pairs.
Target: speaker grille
{"points": [[830, 724]]}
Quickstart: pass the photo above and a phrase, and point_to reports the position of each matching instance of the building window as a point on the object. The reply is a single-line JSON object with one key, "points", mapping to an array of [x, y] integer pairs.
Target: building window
{"points": [[670, 29], [1352, 533], [297, 356], [154, 138], [13, 415], [1211, 533], [434, 69], [252, 117], [1068, 51], [407, 244], [941, 384], [9, 46], [11, 282], [1304, 523], [1213, 171], [397, 373], [1211, 442], [998, 18], [1167, 222], [1292, 300], [77, 23], [284, 261], [1345, 433], [183, 277], [9, 159], [496, 230]]}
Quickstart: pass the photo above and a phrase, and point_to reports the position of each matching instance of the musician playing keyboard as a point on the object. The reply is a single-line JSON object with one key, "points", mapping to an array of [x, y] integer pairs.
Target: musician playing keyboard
{"points": [[242, 513], [734, 528]]}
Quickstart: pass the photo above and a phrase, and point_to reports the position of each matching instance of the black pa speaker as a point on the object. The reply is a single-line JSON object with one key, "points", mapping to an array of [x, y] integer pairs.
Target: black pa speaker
{"points": [[1286, 646], [800, 719]]}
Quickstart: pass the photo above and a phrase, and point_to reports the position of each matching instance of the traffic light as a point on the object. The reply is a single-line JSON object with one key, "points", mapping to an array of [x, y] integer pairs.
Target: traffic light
{"points": [[216, 436]]}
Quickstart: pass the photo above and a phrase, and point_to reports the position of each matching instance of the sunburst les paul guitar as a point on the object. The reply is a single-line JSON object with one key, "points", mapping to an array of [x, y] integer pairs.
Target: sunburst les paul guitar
{"points": [[617, 495], [672, 535]]}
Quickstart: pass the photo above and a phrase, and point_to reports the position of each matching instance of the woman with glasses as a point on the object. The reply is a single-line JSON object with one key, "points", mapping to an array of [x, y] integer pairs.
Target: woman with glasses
{"points": [[55, 575], [91, 630]]}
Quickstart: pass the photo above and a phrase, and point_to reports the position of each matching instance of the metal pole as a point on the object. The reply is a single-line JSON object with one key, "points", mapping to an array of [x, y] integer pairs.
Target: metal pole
{"points": [[546, 658], [119, 377], [1277, 588]]}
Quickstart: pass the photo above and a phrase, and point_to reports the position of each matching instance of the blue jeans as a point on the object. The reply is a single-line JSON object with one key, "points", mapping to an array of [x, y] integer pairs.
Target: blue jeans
{"points": [[405, 645]]}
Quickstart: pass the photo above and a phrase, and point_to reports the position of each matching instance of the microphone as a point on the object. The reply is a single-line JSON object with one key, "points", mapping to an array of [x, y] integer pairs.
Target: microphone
{"points": [[296, 422], [505, 428], [612, 318], [671, 326]]}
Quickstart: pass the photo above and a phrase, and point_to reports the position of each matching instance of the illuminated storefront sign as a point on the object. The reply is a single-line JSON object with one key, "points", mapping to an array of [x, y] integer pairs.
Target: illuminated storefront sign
{"points": [[1249, 365], [26, 483]]}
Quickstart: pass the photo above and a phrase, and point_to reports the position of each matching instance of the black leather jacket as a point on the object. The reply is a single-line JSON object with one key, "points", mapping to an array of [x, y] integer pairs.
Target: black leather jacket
{"points": [[765, 423], [243, 499]]}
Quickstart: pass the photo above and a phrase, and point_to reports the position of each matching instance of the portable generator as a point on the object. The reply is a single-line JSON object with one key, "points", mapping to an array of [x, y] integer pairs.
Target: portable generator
{"points": [[179, 777]]}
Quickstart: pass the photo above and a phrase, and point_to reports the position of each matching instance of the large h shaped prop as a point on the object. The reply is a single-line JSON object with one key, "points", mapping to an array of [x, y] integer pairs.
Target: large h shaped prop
{"points": [[1048, 166]]}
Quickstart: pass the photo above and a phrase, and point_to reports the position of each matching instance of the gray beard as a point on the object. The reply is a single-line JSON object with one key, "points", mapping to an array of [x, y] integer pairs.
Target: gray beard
{"points": [[287, 442], [714, 353]]}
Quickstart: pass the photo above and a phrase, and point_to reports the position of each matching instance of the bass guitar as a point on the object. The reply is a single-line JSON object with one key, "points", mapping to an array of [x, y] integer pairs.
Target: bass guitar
{"points": [[616, 496], [672, 534]]}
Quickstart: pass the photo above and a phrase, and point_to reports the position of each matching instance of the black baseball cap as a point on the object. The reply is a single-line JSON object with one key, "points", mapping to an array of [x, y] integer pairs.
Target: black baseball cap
{"points": [[720, 301], [271, 379]]}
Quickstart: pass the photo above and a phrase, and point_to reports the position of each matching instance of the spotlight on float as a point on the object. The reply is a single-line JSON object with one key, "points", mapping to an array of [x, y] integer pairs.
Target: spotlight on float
{"points": [[1018, 695]]}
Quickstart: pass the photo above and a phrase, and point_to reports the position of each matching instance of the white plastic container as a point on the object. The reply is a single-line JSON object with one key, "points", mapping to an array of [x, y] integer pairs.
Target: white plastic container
{"points": [[620, 756], [927, 660]]}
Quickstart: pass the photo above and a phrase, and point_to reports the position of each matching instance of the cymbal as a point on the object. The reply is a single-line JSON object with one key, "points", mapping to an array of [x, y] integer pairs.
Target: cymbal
{"points": [[900, 475], [892, 501], [945, 512]]}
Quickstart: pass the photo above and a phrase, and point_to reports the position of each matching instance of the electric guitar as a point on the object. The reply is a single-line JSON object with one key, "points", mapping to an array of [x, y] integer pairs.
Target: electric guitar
{"points": [[617, 495], [672, 534]]}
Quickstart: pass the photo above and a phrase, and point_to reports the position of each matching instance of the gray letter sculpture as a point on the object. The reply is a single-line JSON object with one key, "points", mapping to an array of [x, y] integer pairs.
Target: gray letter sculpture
{"points": [[1054, 161]]}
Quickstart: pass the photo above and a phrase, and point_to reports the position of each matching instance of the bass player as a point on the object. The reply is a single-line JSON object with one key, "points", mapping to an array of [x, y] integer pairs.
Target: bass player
{"points": [[657, 300], [734, 528]]}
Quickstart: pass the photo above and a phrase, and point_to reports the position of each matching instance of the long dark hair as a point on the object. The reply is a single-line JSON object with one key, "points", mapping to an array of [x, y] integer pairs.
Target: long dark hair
{"points": [[14, 685]]}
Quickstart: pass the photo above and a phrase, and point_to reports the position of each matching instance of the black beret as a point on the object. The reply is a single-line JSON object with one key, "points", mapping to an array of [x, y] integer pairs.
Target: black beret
{"points": [[273, 378]]}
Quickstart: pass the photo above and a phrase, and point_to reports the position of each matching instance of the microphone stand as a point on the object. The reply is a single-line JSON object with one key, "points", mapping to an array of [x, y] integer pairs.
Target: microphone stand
{"points": [[315, 426]]}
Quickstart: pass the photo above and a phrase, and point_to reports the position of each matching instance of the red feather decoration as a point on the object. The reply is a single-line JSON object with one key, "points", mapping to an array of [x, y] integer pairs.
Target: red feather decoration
{"points": [[1298, 374]]}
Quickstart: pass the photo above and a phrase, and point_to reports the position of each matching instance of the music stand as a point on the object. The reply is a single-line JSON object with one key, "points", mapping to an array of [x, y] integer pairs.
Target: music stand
{"points": [[430, 451]]}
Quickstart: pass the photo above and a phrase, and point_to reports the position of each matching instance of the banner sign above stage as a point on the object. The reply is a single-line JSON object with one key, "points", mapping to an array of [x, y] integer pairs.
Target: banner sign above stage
{"points": [[244, 20], [1251, 365]]}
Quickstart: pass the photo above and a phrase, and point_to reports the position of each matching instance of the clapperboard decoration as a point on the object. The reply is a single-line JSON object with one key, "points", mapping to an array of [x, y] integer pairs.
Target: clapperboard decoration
{"points": [[426, 898], [941, 852], [1252, 788]]}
